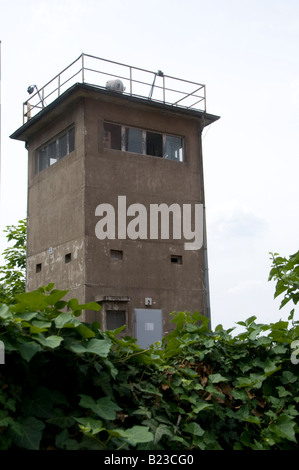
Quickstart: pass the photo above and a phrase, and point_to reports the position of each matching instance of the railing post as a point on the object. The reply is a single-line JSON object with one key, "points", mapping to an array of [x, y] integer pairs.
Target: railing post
{"points": [[82, 68], [28, 113], [131, 84]]}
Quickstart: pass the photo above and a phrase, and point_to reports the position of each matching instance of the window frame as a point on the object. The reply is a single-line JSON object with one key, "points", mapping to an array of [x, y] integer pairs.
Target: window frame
{"points": [[115, 312], [124, 128], [46, 151]]}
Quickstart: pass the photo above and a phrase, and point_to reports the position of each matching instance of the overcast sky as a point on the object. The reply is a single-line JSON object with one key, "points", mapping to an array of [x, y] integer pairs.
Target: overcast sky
{"points": [[246, 52]]}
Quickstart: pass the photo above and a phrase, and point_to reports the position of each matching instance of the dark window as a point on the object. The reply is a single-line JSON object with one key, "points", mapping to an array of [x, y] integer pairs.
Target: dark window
{"points": [[112, 136], [116, 254], [71, 139], [68, 258], [154, 144], [176, 259], [129, 139], [38, 268], [62, 146], [52, 152], [115, 319], [43, 160], [134, 140]]}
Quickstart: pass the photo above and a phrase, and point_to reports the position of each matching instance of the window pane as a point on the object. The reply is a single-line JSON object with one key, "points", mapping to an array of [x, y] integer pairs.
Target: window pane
{"points": [[154, 144], [115, 319], [62, 146], [71, 136], [112, 136], [42, 159], [52, 149], [134, 140], [174, 148]]}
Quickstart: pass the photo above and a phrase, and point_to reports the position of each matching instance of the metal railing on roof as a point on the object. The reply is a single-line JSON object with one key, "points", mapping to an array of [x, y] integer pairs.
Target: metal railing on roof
{"points": [[129, 80]]}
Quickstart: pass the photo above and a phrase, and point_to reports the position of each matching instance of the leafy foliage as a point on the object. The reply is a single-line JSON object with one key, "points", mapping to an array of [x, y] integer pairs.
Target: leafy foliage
{"points": [[12, 274], [285, 271], [68, 385]]}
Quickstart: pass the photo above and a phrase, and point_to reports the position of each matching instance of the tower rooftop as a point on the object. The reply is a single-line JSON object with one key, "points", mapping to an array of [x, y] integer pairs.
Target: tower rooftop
{"points": [[93, 74]]}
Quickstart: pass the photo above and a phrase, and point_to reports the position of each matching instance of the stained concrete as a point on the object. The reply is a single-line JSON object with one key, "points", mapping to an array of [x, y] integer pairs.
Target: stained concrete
{"points": [[62, 200]]}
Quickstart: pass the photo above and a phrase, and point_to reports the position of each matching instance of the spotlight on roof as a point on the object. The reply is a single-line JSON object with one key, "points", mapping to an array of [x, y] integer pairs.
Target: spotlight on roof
{"points": [[30, 89]]}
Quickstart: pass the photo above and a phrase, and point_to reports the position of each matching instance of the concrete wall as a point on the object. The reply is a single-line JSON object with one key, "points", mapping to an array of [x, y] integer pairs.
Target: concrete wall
{"points": [[56, 210], [61, 211], [146, 269]]}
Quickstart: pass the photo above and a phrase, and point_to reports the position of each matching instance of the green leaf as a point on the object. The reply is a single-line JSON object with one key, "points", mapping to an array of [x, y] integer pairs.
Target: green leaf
{"points": [[135, 435], [85, 331], [280, 325], [288, 377], [87, 402], [73, 304], [216, 378], [282, 392], [32, 301], [285, 428], [162, 430], [179, 319], [51, 342], [41, 324], [63, 441], [90, 425], [28, 350], [138, 435], [200, 406], [104, 407], [40, 404], [91, 306], [5, 313], [143, 411], [271, 367], [100, 347], [77, 347], [62, 422], [34, 330], [49, 287], [55, 296], [28, 433], [64, 318], [26, 316], [194, 428]]}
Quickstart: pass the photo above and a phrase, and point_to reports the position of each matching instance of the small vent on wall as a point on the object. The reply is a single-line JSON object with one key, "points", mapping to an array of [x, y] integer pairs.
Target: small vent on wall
{"points": [[68, 258], [176, 259], [38, 268], [116, 254]]}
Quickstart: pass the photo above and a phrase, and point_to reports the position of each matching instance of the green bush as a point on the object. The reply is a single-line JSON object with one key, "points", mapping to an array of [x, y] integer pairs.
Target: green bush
{"points": [[13, 273], [68, 385]]}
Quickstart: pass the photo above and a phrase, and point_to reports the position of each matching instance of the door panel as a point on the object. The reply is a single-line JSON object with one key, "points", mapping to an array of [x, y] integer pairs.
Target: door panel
{"points": [[148, 326]]}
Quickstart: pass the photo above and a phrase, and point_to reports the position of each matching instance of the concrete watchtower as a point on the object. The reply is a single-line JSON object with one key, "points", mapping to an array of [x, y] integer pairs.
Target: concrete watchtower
{"points": [[112, 151]]}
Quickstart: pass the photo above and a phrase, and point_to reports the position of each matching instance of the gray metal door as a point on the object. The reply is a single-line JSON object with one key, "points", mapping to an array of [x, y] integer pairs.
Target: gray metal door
{"points": [[148, 326]]}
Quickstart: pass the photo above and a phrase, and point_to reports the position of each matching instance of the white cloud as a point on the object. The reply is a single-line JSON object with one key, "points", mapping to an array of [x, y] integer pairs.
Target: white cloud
{"points": [[232, 221], [245, 287]]}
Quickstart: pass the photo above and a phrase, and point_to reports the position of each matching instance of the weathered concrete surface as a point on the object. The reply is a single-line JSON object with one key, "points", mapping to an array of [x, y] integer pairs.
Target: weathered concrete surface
{"points": [[62, 200]]}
